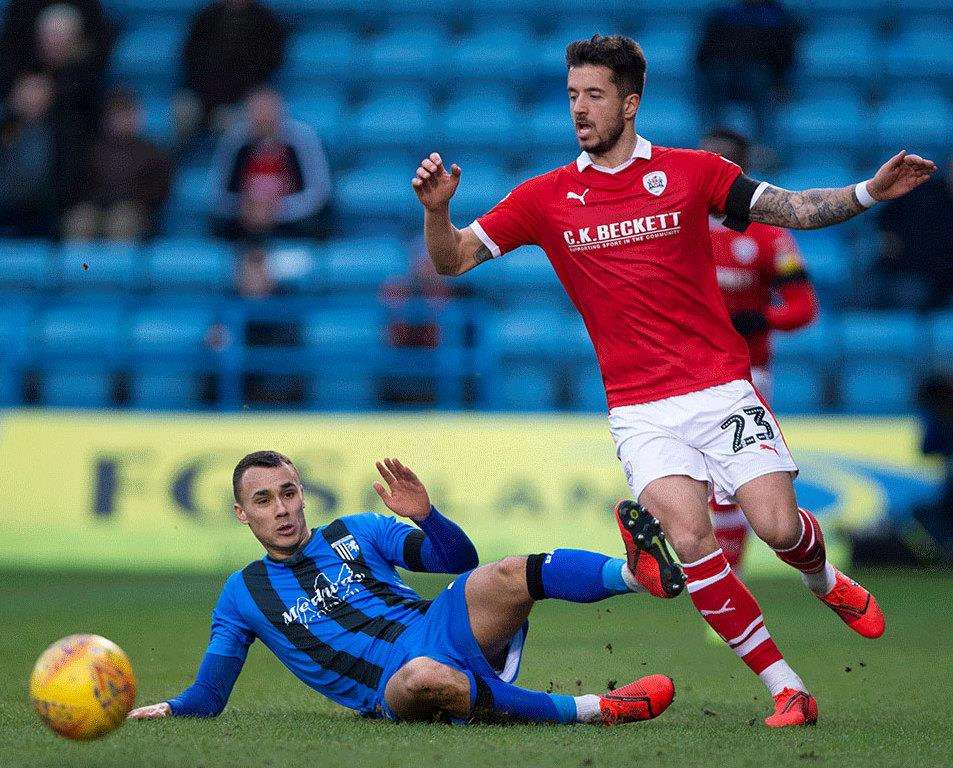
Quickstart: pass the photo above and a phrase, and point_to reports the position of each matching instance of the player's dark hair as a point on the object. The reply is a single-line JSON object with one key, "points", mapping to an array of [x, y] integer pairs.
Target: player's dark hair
{"points": [[622, 55], [257, 459], [741, 146]]}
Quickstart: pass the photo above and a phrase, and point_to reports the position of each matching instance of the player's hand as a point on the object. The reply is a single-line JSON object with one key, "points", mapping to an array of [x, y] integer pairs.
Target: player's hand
{"points": [[900, 174], [405, 495], [151, 712], [433, 185]]}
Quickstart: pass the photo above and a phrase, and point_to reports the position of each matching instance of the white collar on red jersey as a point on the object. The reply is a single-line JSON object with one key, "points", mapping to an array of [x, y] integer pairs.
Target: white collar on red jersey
{"points": [[643, 150]]}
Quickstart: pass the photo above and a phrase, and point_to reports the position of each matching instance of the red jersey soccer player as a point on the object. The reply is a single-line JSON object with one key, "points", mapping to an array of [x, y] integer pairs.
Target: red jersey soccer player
{"points": [[765, 288], [625, 226]]}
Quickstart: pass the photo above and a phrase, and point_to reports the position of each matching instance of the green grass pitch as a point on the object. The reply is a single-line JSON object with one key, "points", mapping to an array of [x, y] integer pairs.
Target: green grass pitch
{"points": [[882, 703]]}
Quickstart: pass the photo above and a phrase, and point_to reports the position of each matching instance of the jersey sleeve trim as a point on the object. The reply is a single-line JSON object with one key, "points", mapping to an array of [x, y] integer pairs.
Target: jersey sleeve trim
{"points": [[739, 201], [485, 239], [757, 193]]}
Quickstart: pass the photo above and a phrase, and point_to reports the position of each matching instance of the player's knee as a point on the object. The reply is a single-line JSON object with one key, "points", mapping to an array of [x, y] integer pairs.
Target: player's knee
{"points": [[777, 526], [692, 540], [510, 575], [423, 681]]}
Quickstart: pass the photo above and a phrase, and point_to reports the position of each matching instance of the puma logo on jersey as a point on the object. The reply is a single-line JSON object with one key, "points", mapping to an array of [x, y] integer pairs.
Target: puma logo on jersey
{"points": [[576, 196], [724, 609], [766, 447]]}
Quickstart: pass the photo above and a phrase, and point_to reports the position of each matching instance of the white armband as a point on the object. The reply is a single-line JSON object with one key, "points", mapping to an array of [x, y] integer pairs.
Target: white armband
{"points": [[863, 196]]}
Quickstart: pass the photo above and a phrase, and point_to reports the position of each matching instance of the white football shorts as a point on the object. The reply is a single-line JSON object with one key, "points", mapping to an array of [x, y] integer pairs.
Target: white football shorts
{"points": [[724, 435]]}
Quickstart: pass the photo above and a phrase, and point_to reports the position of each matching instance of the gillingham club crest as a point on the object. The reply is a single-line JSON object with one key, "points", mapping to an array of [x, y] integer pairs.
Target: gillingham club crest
{"points": [[655, 182]]}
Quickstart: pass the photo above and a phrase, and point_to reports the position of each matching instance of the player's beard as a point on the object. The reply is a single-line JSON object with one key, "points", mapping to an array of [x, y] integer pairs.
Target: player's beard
{"points": [[613, 133]]}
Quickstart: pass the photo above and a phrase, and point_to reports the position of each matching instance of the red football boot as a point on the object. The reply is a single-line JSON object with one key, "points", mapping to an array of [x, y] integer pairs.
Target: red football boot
{"points": [[646, 551], [792, 707], [644, 699], [856, 606]]}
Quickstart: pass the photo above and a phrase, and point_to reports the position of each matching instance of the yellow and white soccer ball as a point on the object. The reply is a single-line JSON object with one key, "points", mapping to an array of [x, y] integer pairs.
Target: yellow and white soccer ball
{"points": [[83, 686]]}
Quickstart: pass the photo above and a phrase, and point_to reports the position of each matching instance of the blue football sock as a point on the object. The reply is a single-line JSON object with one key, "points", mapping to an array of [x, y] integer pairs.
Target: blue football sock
{"points": [[491, 698], [575, 575], [612, 576]]}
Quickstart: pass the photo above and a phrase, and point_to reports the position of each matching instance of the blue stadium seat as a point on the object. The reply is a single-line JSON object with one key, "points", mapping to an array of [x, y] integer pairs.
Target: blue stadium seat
{"points": [[838, 52], [344, 332], [573, 25], [379, 190], [486, 186], [923, 49], [296, 266], [342, 389], [190, 264], [941, 337], [11, 387], [407, 53], [893, 336], [401, 117], [798, 387], [157, 119], [136, 12], [76, 387], [589, 392], [519, 387], [165, 387], [100, 265], [819, 342], [868, 387], [81, 330], [328, 50], [324, 109], [527, 276], [670, 53], [839, 120], [25, 264], [827, 258], [16, 325], [669, 121], [533, 333], [191, 201], [148, 56], [361, 264], [177, 331], [491, 53], [481, 118], [915, 118], [548, 126]]}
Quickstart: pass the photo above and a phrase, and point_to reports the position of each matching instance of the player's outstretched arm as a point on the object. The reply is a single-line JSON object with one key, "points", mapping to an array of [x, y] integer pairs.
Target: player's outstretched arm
{"points": [[206, 697], [445, 547], [816, 208], [453, 251]]}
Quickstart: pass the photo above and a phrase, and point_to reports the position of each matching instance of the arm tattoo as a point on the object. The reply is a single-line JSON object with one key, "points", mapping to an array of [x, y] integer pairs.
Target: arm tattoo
{"points": [[810, 209], [482, 254]]}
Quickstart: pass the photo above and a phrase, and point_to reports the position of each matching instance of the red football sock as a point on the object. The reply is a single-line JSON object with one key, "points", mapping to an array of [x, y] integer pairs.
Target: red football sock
{"points": [[809, 555], [731, 531], [731, 610]]}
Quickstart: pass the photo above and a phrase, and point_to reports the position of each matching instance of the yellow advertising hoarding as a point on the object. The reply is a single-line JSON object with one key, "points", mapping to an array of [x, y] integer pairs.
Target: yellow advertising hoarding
{"points": [[115, 490]]}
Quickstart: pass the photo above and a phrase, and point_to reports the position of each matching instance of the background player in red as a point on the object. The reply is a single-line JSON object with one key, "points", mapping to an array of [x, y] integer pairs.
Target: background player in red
{"points": [[625, 226], [766, 288]]}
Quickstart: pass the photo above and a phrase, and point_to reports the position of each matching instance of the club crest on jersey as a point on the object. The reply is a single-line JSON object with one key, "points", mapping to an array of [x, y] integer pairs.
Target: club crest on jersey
{"points": [[655, 182], [347, 548]]}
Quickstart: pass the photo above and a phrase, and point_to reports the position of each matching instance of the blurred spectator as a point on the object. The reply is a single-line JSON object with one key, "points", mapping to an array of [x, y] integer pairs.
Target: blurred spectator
{"points": [[745, 57], [414, 302], [255, 280], [271, 176], [128, 179], [28, 195], [915, 265], [232, 48], [22, 21]]}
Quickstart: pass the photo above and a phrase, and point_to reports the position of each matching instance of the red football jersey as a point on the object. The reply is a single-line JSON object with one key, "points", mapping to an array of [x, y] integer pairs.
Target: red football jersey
{"points": [[750, 266], [633, 251]]}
